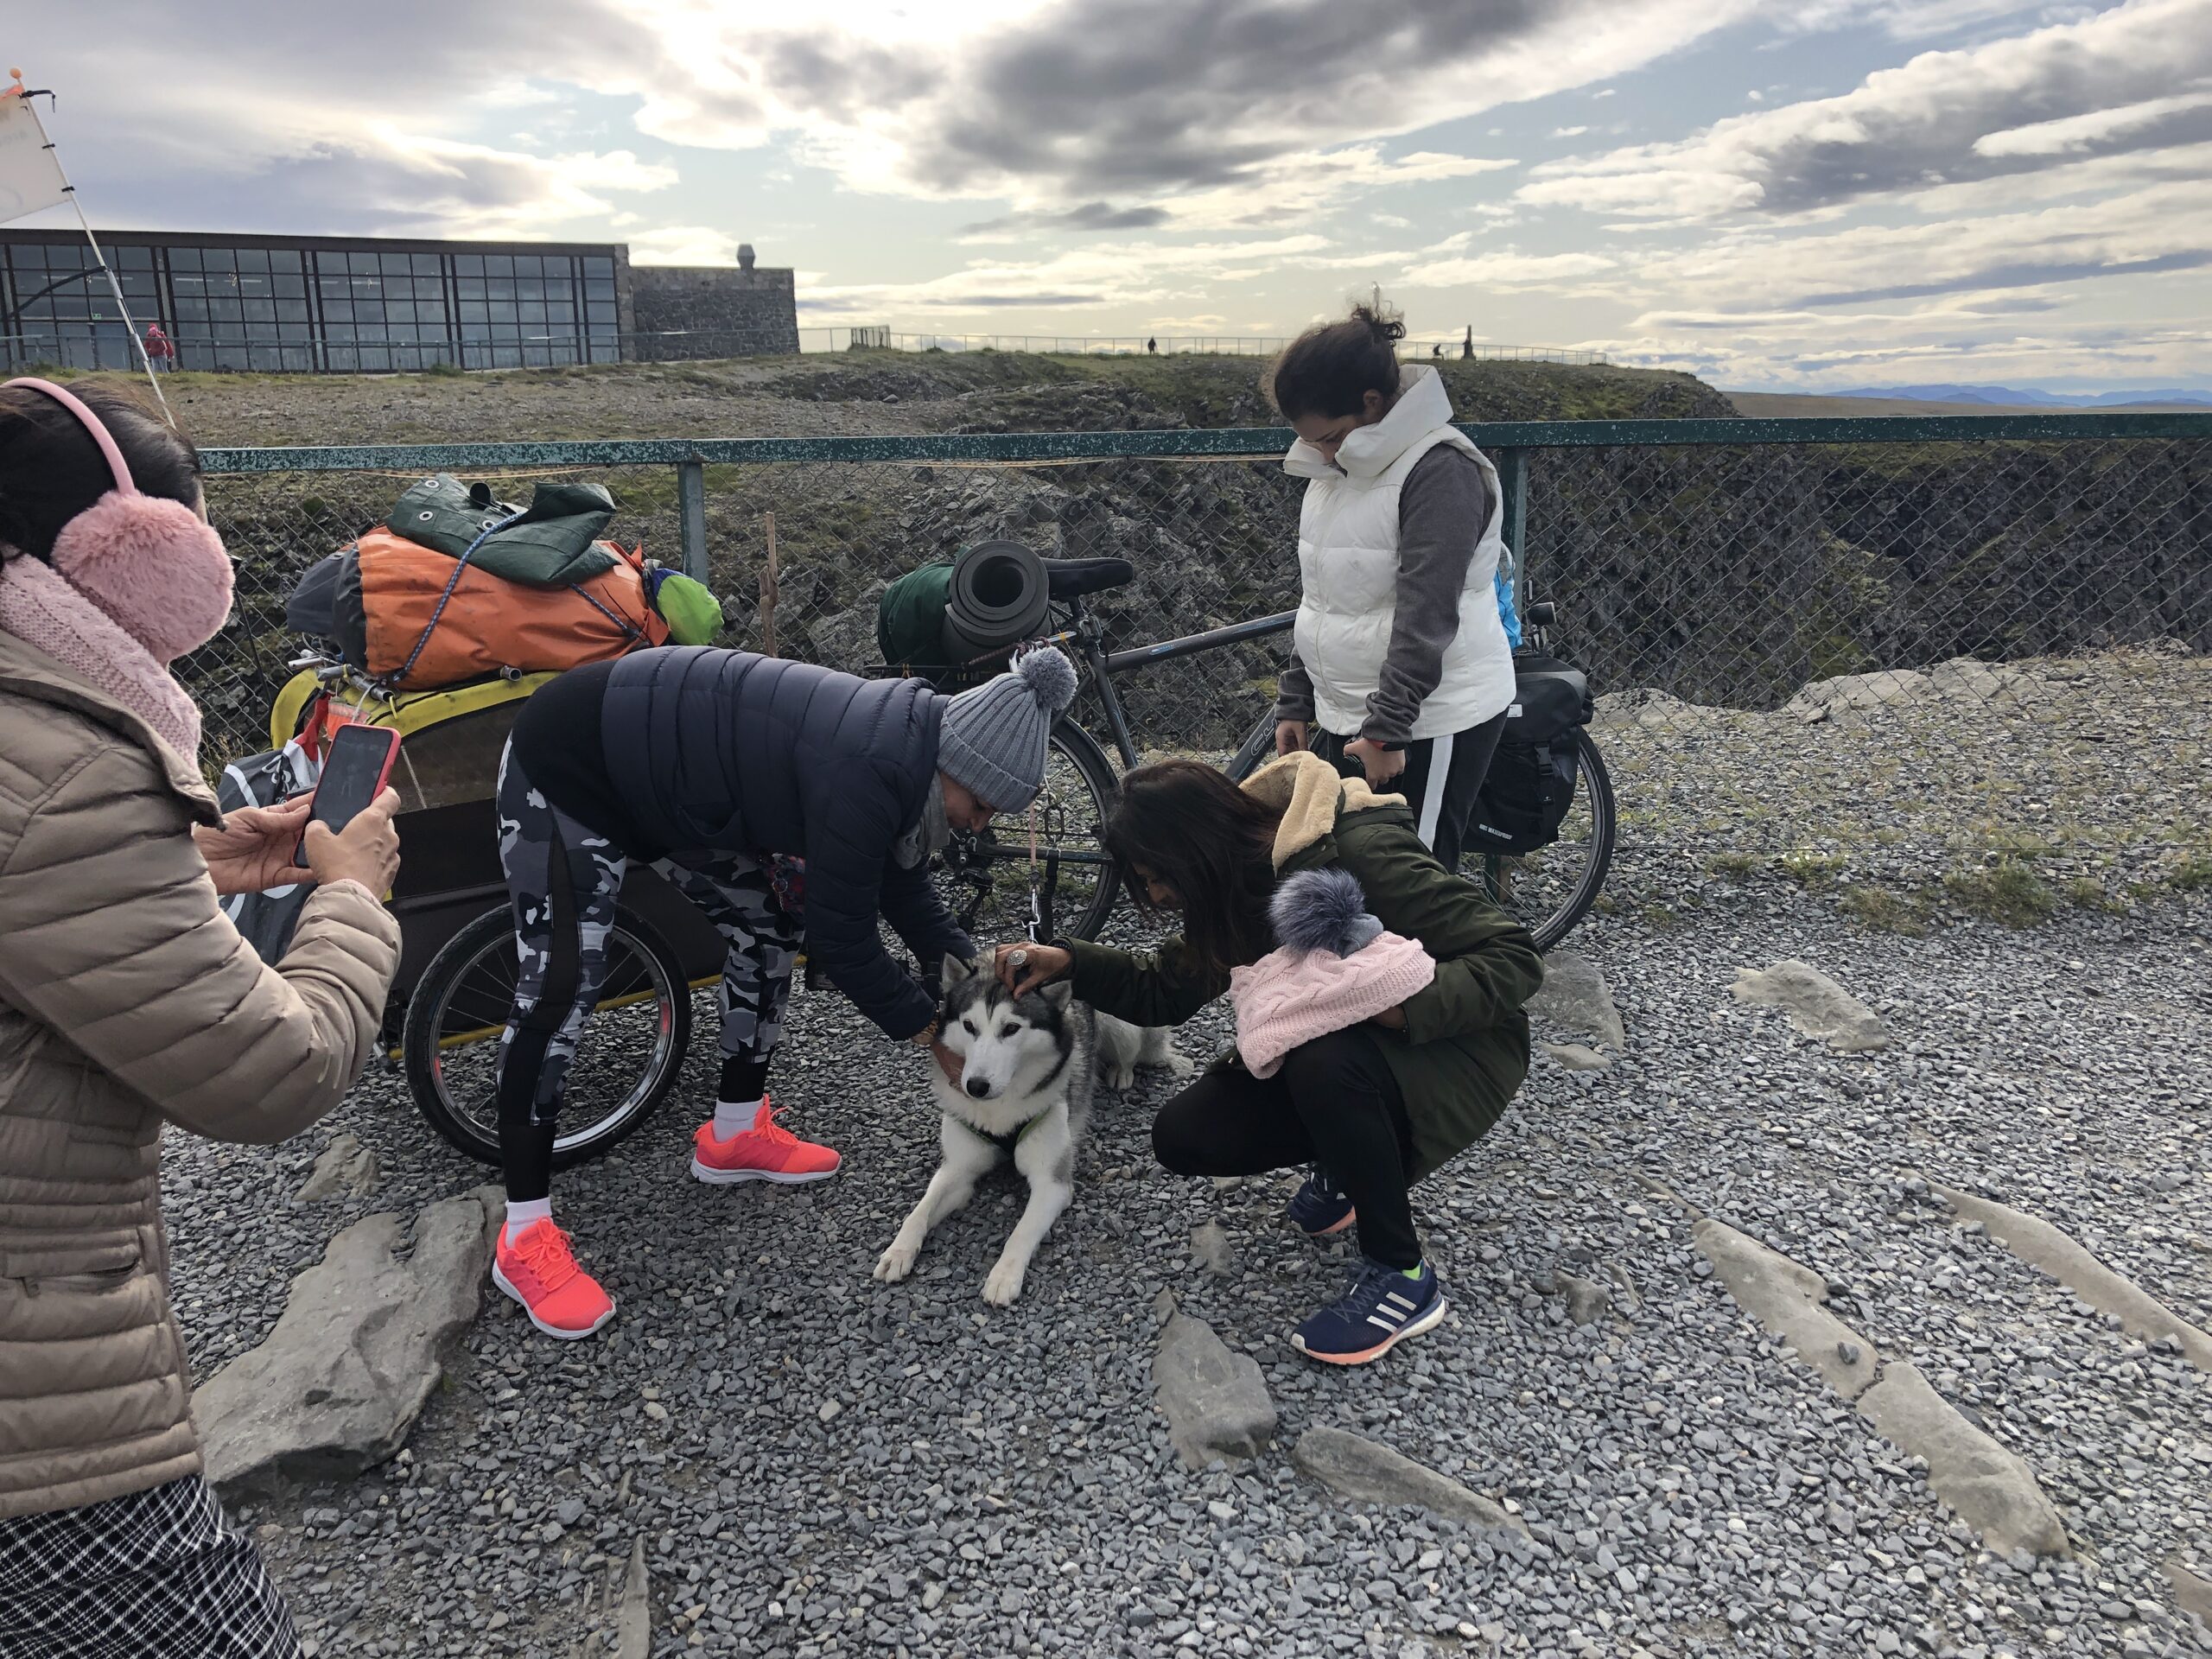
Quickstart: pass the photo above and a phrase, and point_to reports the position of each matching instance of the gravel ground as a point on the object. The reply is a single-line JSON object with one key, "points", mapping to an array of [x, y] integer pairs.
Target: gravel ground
{"points": [[821, 1465]]}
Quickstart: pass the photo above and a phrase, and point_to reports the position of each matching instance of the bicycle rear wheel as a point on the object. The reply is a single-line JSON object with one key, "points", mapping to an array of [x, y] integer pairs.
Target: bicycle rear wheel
{"points": [[984, 878], [626, 1063], [1550, 890]]}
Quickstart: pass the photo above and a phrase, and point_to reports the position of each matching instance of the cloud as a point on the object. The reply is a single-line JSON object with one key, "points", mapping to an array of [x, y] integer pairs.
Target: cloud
{"points": [[683, 244], [2124, 79], [1506, 269], [2077, 135], [1095, 274], [1091, 216]]}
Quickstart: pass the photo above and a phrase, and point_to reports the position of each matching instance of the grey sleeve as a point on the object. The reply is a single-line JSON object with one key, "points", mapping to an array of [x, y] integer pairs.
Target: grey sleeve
{"points": [[1441, 513], [1294, 691]]}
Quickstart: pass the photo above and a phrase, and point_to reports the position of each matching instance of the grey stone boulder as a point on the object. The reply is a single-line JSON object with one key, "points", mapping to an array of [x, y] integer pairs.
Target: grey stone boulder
{"points": [[347, 1169], [1216, 1403], [846, 639], [335, 1388], [1857, 691], [1575, 998], [1817, 1006], [1367, 1472]]}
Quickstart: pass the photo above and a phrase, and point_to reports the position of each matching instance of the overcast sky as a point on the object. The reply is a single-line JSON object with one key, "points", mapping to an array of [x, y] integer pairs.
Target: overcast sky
{"points": [[1772, 193]]}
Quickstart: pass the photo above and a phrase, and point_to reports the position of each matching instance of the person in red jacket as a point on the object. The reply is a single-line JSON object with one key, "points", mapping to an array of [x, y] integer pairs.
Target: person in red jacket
{"points": [[161, 350]]}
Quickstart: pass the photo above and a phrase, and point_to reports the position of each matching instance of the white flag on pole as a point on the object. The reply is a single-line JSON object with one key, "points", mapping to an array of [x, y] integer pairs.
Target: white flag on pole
{"points": [[29, 176]]}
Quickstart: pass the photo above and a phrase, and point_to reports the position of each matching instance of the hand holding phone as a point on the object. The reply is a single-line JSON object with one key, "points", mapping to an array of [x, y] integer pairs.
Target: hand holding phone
{"points": [[354, 773], [366, 851]]}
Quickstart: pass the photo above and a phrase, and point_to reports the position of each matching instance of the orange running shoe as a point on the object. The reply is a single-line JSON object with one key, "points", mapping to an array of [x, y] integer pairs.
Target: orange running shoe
{"points": [[537, 1269], [767, 1152]]}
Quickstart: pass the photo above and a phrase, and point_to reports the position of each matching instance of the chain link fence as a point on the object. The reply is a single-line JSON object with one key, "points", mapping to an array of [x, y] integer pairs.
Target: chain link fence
{"points": [[1928, 672]]}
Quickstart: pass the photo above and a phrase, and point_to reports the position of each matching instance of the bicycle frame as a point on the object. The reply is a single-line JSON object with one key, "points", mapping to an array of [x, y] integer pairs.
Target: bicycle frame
{"points": [[1087, 633]]}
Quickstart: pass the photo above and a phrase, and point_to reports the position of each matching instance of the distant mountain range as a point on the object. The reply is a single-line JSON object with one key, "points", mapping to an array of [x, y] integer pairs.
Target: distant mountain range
{"points": [[2035, 395]]}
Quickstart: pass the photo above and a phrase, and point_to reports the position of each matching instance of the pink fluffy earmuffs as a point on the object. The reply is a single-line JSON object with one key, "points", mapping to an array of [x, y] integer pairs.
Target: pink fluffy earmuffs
{"points": [[154, 566]]}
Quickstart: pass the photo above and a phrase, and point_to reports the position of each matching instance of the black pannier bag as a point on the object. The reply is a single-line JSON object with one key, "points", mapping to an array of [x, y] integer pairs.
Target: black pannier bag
{"points": [[265, 920], [1530, 784]]}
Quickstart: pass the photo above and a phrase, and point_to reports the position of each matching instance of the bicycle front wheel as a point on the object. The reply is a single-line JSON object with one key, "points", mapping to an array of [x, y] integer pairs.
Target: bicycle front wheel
{"points": [[1550, 890], [984, 878]]}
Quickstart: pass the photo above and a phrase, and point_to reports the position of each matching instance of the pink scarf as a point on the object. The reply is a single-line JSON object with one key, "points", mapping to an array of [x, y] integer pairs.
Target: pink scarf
{"points": [[43, 610]]}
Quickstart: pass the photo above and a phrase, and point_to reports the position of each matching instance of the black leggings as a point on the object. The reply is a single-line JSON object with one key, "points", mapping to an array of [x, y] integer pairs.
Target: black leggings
{"points": [[1442, 781], [1334, 1103]]}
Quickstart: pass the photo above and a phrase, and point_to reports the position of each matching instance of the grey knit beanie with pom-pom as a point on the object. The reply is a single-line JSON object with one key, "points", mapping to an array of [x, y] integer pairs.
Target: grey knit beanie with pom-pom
{"points": [[992, 740]]}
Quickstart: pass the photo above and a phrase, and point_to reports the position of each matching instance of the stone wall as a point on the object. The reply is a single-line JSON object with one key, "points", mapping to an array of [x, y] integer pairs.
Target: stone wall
{"points": [[712, 311]]}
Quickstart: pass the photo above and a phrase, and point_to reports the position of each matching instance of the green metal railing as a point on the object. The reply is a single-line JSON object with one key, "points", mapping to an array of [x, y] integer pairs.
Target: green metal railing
{"points": [[1723, 562], [1507, 444]]}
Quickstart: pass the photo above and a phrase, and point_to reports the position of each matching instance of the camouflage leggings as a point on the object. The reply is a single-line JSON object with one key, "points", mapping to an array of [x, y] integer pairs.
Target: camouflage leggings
{"points": [[563, 881]]}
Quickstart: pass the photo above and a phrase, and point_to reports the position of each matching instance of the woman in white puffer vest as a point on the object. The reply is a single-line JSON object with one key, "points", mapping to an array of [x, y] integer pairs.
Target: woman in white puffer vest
{"points": [[1400, 664]]}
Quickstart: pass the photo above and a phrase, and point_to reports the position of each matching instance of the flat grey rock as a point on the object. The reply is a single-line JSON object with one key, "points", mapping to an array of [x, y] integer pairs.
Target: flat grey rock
{"points": [[1367, 1472], [1216, 1403], [1575, 998], [2192, 1590], [1587, 1302], [1211, 1249], [1992, 1490], [347, 1169], [1576, 1056], [2039, 1245], [634, 1614], [1786, 1297], [335, 1388], [1817, 1006]]}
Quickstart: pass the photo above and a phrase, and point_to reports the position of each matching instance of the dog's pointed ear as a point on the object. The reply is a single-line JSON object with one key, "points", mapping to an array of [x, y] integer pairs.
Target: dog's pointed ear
{"points": [[958, 972], [1058, 995]]}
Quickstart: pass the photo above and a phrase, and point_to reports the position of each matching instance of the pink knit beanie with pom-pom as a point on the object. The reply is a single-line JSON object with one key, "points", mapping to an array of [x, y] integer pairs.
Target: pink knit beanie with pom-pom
{"points": [[1338, 967]]}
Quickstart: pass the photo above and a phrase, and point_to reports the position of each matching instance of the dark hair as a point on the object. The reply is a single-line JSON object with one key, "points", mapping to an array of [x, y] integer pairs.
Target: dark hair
{"points": [[1330, 369], [1208, 840], [51, 468]]}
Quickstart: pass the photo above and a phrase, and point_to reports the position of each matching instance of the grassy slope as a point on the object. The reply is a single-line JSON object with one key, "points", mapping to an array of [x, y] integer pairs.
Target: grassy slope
{"points": [[853, 392]]}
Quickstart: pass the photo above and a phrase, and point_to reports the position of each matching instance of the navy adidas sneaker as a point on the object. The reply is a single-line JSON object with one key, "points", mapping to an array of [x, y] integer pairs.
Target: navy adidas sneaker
{"points": [[1319, 1208], [1383, 1307]]}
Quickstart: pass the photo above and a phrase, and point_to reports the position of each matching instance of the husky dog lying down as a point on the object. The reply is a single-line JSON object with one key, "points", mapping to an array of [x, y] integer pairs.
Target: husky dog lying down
{"points": [[1029, 1068]]}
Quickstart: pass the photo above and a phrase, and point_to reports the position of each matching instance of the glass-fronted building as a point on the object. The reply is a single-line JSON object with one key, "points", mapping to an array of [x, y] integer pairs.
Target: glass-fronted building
{"points": [[326, 304]]}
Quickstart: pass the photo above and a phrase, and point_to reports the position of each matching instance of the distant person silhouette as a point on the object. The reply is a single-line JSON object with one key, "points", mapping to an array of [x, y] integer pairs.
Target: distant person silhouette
{"points": [[1152, 347], [1467, 346], [1437, 350], [161, 351]]}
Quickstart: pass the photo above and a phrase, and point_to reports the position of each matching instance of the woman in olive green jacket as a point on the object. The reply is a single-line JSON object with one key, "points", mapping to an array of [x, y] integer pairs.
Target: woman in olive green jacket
{"points": [[1375, 1107]]}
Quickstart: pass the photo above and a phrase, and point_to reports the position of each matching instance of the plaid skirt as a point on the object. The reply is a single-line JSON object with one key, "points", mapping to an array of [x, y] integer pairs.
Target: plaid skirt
{"points": [[158, 1574]]}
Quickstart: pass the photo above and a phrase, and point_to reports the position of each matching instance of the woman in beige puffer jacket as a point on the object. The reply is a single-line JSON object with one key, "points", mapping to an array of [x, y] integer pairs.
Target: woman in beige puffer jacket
{"points": [[128, 1001]]}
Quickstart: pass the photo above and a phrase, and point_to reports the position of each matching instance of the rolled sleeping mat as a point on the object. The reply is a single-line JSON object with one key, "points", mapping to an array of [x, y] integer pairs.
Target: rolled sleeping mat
{"points": [[998, 598]]}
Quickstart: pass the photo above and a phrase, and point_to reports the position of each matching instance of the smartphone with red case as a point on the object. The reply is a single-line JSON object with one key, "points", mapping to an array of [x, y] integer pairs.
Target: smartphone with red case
{"points": [[354, 772]]}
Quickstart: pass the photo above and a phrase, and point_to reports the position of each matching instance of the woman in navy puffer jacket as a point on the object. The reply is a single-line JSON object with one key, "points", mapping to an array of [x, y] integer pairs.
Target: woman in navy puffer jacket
{"points": [[729, 772]]}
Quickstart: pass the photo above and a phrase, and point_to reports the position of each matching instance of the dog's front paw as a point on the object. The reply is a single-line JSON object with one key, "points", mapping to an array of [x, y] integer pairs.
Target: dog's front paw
{"points": [[1120, 1079], [1004, 1285], [897, 1261], [1177, 1064]]}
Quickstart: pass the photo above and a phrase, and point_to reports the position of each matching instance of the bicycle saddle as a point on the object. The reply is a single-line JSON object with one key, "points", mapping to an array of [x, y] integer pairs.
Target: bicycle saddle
{"points": [[1070, 578]]}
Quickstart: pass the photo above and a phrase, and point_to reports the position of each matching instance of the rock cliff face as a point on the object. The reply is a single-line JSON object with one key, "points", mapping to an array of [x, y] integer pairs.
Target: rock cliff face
{"points": [[1732, 576]]}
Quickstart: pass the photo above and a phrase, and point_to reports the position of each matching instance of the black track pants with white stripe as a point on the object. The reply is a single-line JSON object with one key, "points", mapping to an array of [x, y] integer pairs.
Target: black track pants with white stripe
{"points": [[1442, 778]]}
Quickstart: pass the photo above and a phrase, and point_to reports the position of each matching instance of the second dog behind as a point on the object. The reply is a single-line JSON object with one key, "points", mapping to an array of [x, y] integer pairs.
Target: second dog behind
{"points": [[1029, 1068]]}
